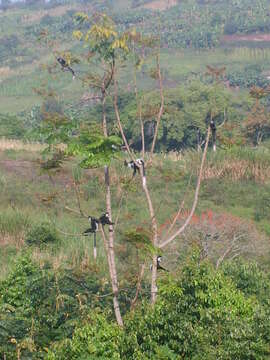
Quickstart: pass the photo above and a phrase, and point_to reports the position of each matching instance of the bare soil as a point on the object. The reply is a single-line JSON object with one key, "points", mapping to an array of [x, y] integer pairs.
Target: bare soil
{"points": [[31, 171], [246, 37], [160, 4]]}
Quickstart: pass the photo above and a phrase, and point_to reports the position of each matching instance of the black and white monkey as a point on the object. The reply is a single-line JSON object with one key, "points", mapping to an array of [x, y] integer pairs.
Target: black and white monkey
{"points": [[93, 230], [159, 267], [135, 166], [65, 66], [210, 121], [94, 226], [132, 165], [214, 133], [105, 219]]}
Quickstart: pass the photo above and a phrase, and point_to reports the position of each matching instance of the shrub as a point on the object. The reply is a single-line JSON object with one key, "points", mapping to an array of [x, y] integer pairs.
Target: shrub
{"points": [[42, 234], [199, 314]]}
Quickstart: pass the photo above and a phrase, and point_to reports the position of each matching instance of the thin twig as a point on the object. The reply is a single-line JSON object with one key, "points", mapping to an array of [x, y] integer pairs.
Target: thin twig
{"points": [[116, 110], [76, 212], [78, 199], [138, 287]]}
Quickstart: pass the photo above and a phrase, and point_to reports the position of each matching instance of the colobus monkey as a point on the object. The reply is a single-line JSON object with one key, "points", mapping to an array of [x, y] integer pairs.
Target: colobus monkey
{"points": [[141, 163], [65, 66], [210, 121], [105, 219], [94, 226], [214, 133], [159, 267], [132, 165], [93, 230], [135, 165]]}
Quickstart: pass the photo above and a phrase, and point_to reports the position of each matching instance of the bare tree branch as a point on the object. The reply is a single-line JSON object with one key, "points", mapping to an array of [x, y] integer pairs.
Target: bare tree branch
{"points": [[75, 211], [142, 129], [138, 287], [180, 208], [116, 110], [78, 200], [196, 197], [161, 109]]}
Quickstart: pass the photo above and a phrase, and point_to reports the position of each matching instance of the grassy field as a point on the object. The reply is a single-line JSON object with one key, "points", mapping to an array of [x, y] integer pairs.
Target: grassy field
{"points": [[22, 62], [30, 197], [17, 90]]}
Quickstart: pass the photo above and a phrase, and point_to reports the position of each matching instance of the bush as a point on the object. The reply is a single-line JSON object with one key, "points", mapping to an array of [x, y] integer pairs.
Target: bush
{"points": [[199, 314], [43, 306], [97, 340], [42, 234]]}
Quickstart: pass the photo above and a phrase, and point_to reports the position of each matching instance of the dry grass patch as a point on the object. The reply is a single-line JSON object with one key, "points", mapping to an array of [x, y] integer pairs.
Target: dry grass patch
{"points": [[5, 71], [160, 4], [236, 170], [38, 15], [6, 144]]}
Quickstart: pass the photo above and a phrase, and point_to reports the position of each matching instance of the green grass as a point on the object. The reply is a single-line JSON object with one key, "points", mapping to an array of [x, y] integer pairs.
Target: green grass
{"points": [[23, 202], [17, 94]]}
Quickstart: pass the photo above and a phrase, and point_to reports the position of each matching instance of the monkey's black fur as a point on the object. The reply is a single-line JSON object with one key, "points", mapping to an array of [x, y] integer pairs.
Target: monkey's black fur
{"points": [[65, 66], [94, 226], [134, 165]]}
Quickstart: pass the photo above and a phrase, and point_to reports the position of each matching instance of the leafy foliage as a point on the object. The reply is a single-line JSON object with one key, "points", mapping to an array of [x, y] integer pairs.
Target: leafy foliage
{"points": [[95, 149], [41, 235], [11, 127], [39, 306], [199, 314]]}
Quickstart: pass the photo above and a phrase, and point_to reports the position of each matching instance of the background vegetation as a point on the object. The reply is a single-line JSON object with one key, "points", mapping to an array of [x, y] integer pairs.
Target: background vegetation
{"points": [[55, 300]]}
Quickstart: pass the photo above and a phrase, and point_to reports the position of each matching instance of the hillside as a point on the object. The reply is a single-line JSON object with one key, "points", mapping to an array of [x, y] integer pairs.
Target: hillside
{"points": [[23, 55], [134, 179]]}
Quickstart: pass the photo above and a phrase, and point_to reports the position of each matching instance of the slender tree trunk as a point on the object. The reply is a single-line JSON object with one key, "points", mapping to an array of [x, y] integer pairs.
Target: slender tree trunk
{"points": [[154, 239], [148, 198], [110, 248], [161, 108], [142, 129], [113, 280]]}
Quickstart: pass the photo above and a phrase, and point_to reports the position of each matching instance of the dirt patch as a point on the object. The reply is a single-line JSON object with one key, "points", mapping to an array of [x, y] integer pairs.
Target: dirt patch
{"points": [[38, 15], [30, 171], [21, 168], [160, 4], [246, 37], [5, 71]]}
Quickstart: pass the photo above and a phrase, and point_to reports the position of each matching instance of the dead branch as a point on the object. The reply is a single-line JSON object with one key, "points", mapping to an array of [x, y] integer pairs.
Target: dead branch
{"points": [[78, 200], [75, 211], [161, 109], [180, 208], [116, 110], [196, 197], [138, 287]]}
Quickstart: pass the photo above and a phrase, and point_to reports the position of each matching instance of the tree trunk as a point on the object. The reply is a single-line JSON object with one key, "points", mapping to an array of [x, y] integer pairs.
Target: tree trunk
{"points": [[110, 249], [154, 239]]}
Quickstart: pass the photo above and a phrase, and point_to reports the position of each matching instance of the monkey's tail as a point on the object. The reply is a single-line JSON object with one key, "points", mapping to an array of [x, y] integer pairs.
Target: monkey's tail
{"points": [[214, 138], [95, 246], [162, 268]]}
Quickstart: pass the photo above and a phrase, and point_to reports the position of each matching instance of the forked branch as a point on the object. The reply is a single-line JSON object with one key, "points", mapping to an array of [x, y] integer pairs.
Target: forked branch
{"points": [[196, 197]]}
